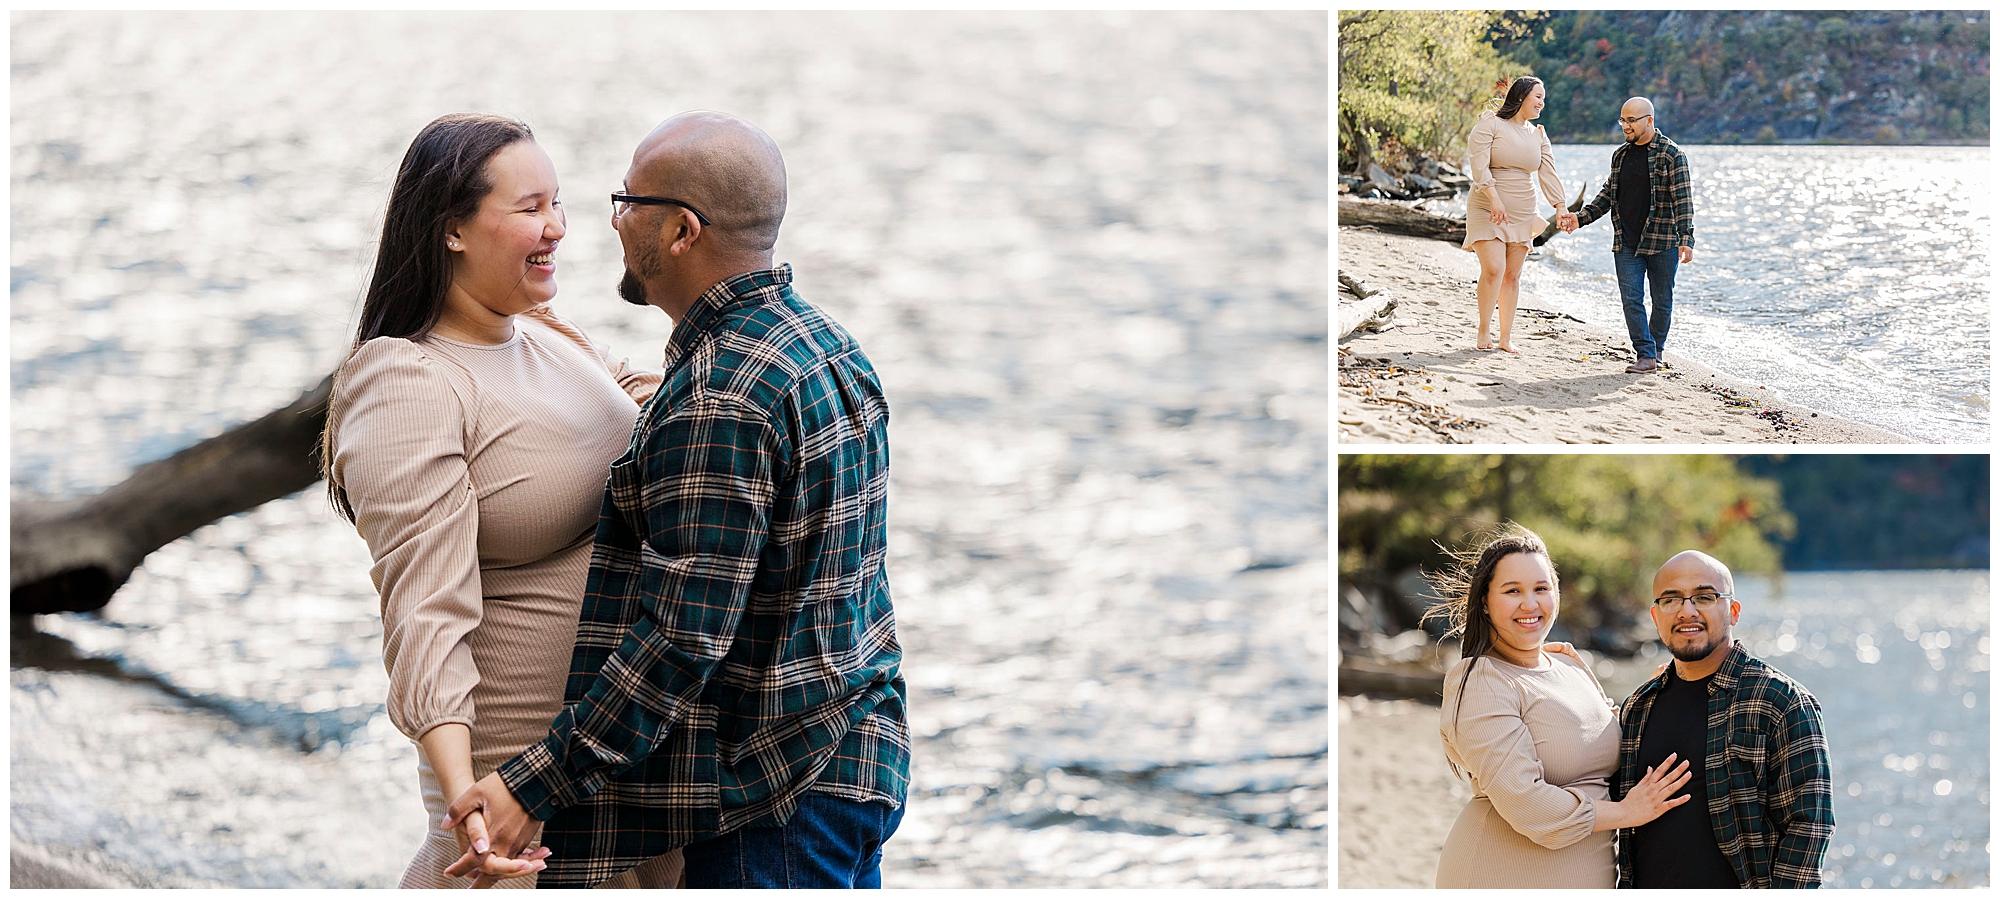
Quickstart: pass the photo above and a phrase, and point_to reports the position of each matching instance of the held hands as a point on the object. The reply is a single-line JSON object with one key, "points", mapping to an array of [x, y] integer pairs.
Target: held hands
{"points": [[1567, 221], [494, 831]]}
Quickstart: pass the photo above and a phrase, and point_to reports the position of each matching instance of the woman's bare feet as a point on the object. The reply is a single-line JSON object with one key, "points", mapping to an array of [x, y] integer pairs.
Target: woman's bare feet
{"points": [[1510, 349]]}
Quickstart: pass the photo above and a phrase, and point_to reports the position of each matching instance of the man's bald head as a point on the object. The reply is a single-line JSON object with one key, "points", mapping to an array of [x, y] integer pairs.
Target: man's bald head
{"points": [[726, 167], [1704, 568], [1699, 637], [1635, 119]]}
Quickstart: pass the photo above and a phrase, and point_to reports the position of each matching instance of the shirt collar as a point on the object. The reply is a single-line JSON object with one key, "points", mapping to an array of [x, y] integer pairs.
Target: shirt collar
{"points": [[747, 289], [1724, 678]]}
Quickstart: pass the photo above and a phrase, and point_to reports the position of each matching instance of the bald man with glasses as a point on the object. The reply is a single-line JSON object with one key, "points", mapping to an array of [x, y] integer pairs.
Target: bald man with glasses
{"points": [[1764, 790], [1653, 230]]}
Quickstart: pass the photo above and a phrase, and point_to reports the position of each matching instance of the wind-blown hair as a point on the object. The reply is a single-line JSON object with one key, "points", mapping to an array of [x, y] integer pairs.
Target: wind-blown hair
{"points": [[1465, 587]]}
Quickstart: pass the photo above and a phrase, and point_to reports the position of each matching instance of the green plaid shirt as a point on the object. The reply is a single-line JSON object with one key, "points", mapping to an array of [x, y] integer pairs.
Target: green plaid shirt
{"points": [[736, 646], [1670, 215], [1770, 791]]}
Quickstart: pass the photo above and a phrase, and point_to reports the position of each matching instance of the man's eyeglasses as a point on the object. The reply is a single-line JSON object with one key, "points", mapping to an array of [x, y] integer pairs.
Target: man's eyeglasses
{"points": [[621, 202], [1634, 121], [1700, 600]]}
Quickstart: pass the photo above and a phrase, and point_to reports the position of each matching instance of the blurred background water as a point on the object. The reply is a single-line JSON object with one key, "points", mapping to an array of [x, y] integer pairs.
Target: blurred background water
{"points": [[1900, 662], [1086, 252], [1852, 279]]}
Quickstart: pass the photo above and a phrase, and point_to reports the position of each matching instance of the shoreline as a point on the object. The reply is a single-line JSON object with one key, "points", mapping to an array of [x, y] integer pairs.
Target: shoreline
{"points": [[1423, 381]]}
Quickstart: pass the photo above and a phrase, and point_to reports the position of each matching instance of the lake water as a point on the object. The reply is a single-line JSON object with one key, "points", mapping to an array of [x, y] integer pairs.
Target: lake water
{"points": [[1087, 254], [1901, 664], [1853, 280]]}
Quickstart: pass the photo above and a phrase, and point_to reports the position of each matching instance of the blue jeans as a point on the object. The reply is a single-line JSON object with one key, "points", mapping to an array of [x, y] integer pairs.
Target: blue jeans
{"points": [[829, 843], [1635, 272]]}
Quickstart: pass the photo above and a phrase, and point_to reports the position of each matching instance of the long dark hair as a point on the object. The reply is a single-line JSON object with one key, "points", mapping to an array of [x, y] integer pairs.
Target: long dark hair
{"points": [[1464, 588], [1517, 94], [442, 180]]}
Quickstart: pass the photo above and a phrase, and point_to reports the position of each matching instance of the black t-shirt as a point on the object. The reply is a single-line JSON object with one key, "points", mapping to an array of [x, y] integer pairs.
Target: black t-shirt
{"points": [[1635, 191], [1677, 850]]}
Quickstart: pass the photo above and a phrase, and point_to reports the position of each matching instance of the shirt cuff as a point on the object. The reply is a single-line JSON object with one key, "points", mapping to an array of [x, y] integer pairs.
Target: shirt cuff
{"points": [[537, 779]]}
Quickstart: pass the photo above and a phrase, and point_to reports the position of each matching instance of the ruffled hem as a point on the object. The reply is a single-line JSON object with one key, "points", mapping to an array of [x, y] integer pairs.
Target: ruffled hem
{"points": [[1515, 231]]}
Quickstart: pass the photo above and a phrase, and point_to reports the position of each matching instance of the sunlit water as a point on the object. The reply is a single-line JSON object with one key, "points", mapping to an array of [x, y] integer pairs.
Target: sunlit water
{"points": [[1086, 253], [1853, 280], [1900, 662]]}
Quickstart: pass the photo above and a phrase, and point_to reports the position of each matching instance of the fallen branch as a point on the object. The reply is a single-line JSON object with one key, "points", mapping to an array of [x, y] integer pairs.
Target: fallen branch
{"points": [[70, 556], [1400, 218]]}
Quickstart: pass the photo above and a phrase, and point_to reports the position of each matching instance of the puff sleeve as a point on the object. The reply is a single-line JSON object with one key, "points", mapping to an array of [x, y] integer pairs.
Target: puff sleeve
{"points": [[399, 453], [1490, 741], [1480, 146]]}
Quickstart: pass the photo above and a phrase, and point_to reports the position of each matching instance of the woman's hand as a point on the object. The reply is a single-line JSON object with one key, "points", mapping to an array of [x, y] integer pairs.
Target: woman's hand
{"points": [[1650, 798], [492, 868], [1498, 215]]}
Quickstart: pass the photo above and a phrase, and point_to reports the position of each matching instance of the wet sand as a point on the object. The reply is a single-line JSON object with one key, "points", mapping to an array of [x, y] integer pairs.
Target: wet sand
{"points": [[1567, 385]]}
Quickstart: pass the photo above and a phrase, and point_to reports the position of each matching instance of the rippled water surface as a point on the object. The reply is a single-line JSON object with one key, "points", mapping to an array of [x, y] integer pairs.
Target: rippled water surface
{"points": [[1852, 279], [1901, 664], [1087, 254]]}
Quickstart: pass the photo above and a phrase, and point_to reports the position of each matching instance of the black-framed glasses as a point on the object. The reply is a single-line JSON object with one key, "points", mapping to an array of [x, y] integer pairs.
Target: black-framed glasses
{"points": [[1634, 121], [622, 201], [1702, 600]]}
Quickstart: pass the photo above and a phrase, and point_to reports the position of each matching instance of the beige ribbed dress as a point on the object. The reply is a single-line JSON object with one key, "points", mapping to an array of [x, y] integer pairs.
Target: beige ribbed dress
{"points": [[476, 474], [1540, 745], [1511, 158]]}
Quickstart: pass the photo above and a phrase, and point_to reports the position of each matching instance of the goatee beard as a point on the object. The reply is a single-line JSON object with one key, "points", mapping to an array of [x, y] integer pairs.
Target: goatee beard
{"points": [[1695, 652], [632, 290]]}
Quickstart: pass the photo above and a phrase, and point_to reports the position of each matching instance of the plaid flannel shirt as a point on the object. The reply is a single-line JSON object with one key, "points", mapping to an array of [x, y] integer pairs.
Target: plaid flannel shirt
{"points": [[736, 646], [1770, 790], [1670, 215]]}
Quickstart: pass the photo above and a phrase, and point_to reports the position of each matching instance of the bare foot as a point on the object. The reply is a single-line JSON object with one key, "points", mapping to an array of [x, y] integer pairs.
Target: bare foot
{"points": [[1483, 346], [1510, 349]]}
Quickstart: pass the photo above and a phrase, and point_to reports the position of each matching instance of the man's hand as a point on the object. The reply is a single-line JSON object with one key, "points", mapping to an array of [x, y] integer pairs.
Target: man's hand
{"points": [[1687, 254], [497, 829], [1567, 221]]}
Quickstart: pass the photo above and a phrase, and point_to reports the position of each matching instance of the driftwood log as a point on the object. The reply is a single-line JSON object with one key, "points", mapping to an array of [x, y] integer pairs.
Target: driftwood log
{"points": [[1400, 218], [1362, 307], [70, 556]]}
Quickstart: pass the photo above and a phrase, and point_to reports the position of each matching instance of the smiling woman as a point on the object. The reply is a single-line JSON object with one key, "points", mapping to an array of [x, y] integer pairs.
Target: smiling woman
{"points": [[1534, 731], [469, 444]]}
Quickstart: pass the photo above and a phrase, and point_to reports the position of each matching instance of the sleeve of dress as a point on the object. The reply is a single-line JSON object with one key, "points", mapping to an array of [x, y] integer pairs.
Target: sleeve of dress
{"points": [[1552, 185], [1480, 146], [1500, 754], [638, 384], [399, 453]]}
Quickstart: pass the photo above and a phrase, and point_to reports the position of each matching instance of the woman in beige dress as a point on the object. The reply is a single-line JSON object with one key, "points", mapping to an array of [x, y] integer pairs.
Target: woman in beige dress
{"points": [[1528, 723], [468, 440], [1509, 155]]}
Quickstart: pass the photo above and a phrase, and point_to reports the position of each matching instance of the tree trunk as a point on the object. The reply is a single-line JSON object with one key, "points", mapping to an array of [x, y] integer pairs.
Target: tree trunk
{"points": [[1400, 218], [70, 556]]}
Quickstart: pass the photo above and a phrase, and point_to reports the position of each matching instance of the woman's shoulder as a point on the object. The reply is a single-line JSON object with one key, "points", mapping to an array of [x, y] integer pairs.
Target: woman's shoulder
{"points": [[400, 367]]}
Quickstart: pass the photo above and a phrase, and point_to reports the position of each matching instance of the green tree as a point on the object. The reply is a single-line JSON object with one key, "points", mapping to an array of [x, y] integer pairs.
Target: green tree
{"points": [[1418, 79], [1609, 521]]}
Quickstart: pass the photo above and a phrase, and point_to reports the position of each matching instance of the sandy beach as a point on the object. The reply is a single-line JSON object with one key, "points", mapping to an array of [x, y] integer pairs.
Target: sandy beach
{"points": [[1397, 797], [1422, 380]]}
